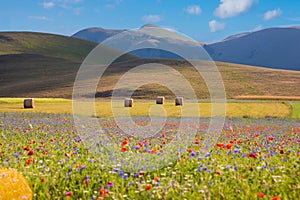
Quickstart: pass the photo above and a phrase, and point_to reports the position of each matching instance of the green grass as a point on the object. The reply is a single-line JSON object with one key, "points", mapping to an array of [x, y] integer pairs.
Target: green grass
{"points": [[296, 110], [141, 108]]}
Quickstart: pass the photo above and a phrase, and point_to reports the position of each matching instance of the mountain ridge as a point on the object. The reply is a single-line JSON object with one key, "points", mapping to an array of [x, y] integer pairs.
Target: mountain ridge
{"points": [[274, 47]]}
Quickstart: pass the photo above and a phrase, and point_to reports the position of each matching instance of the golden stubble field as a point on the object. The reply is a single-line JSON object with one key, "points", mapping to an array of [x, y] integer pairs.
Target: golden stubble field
{"points": [[103, 108]]}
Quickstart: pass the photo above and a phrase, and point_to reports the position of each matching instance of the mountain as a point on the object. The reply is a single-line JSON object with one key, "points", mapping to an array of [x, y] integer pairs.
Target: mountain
{"points": [[149, 38], [274, 48], [96, 34]]}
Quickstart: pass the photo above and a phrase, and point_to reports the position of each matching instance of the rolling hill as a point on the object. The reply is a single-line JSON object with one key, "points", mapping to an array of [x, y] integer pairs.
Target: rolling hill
{"points": [[50, 45], [41, 64]]}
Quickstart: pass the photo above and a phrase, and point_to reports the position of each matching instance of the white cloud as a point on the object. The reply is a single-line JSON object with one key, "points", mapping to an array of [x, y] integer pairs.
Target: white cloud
{"points": [[113, 4], [231, 8], [216, 26], [193, 10], [77, 11], [151, 18], [271, 14], [49, 4], [297, 19], [43, 18], [257, 28], [69, 1]]}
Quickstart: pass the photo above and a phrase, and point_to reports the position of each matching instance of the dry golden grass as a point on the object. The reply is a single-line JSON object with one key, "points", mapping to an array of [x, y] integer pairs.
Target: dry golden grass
{"points": [[283, 98], [141, 108], [55, 78], [13, 185]]}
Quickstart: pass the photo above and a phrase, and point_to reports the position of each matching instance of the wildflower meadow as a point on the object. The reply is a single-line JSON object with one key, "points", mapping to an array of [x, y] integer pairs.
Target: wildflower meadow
{"points": [[252, 159]]}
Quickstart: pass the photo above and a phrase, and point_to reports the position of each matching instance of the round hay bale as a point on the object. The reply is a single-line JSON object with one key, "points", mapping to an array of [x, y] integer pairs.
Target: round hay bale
{"points": [[179, 101], [29, 103], [160, 100], [13, 185], [128, 102]]}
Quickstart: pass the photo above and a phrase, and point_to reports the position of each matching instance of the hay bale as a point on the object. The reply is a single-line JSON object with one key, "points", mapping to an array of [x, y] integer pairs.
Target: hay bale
{"points": [[179, 101], [160, 100], [29, 103], [13, 185], [128, 102]]}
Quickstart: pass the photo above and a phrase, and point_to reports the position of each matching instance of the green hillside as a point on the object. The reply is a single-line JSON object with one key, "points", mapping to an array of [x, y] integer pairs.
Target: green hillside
{"points": [[41, 64], [45, 44]]}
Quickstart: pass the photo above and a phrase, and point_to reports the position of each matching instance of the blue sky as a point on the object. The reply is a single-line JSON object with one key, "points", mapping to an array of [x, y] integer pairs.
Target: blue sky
{"points": [[203, 20]]}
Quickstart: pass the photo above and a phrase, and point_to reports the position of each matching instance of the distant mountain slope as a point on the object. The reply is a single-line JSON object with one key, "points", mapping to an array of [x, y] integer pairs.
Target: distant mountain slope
{"points": [[148, 35], [96, 34], [273, 47]]}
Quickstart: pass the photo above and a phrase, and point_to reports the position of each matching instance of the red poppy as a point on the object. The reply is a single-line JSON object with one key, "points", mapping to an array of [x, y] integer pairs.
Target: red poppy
{"points": [[43, 180], [124, 143], [218, 173], [281, 151], [261, 195], [27, 148], [124, 149], [69, 194], [221, 145], [252, 155], [228, 146], [103, 192], [156, 178], [29, 161], [148, 187], [86, 181], [30, 153], [271, 138], [153, 151], [276, 198]]}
